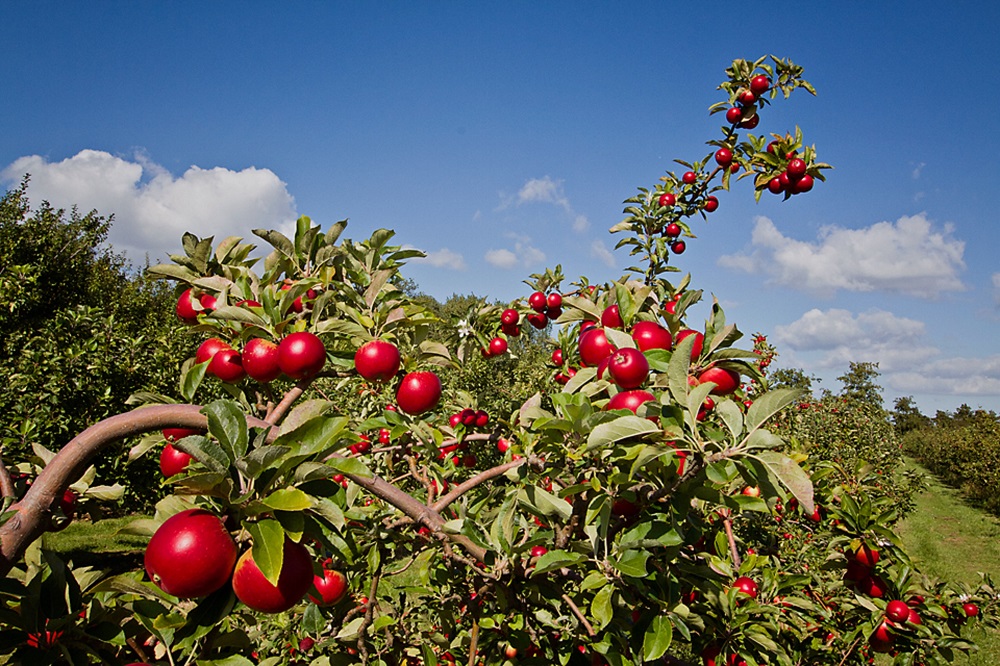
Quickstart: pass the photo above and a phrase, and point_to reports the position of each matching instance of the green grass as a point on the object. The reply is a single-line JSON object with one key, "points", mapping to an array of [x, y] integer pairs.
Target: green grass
{"points": [[952, 540]]}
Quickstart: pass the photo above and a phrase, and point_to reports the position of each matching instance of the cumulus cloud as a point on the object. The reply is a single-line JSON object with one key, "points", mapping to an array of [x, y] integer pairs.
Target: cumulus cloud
{"points": [[501, 258], [444, 258], [908, 363], [907, 256], [524, 254], [153, 208]]}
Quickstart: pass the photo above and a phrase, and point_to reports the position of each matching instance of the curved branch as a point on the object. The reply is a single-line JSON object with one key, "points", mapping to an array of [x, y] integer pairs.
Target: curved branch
{"points": [[471, 483], [33, 511], [293, 394]]}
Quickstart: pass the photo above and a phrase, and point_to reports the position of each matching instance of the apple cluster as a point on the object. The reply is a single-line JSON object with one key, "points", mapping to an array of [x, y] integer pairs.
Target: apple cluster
{"points": [[298, 356]]}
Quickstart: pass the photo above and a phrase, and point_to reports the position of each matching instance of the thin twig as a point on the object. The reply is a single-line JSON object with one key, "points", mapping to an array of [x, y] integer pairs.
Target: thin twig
{"points": [[579, 615]]}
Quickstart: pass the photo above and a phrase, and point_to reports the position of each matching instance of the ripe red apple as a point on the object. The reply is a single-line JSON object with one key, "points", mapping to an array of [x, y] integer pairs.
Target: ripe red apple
{"points": [[796, 168], [711, 204], [914, 617], [538, 301], [209, 348], [750, 122], [678, 247], [173, 460], [332, 587], [667, 199], [509, 317], [759, 85], [699, 341], [185, 308], [611, 317], [554, 301], [260, 360], [538, 320], [673, 230], [630, 400], [595, 346], [208, 302], [726, 381], [734, 115], [174, 434], [804, 184], [897, 611], [378, 360], [301, 355], [752, 491], [747, 97], [191, 554], [557, 357], [628, 368], [650, 335], [418, 392], [747, 586], [970, 609], [503, 445], [538, 551], [774, 186], [866, 556], [873, 586], [227, 365], [689, 177], [723, 157], [498, 346], [254, 590], [881, 640]]}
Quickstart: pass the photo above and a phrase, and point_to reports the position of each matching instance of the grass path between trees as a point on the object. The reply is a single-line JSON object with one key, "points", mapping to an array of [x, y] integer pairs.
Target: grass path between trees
{"points": [[952, 540]]}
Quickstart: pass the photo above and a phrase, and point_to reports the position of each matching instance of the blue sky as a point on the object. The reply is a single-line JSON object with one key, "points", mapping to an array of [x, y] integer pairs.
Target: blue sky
{"points": [[503, 138]]}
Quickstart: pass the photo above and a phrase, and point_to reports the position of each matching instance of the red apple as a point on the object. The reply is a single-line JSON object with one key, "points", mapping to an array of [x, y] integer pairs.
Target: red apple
{"points": [[227, 365], [628, 368], [332, 587], [630, 400], [498, 346], [301, 355], [254, 590], [650, 335], [711, 204], [673, 230], [747, 586], [723, 157], [699, 340], [510, 317], [553, 302], [726, 381], [595, 346], [185, 308], [897, 611], [678, 247], [173, 460], [191, 554], [538, 302], [418, 392], [667, 199], [260, 360], [759, 85], [734, 115], [611, 317], [209, 348], [377, 360]]}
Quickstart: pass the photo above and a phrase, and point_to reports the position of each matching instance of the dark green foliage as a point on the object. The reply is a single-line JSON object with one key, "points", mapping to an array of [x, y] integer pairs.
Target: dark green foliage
{"points": [[963, 450], [80, 333]]}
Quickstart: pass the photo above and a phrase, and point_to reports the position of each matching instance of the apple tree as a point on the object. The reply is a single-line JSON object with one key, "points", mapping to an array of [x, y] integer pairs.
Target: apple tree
{"points": [[342, 504]]}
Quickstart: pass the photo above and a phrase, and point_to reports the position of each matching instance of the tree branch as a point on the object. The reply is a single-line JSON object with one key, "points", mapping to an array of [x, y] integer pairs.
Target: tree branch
{"points": [[33, 511]]}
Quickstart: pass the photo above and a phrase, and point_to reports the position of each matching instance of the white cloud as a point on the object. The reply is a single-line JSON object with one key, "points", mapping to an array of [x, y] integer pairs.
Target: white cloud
{"points": [[444, 258], [501, 258], [152, 208], [546, 190], [524, 253], [841, 337], [907, 256], [918, 169], [907, 362], [600, 252]]}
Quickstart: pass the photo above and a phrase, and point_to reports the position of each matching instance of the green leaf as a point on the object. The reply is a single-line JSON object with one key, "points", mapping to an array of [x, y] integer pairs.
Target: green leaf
{"points": [[677, 371], [268, 547], [255, 462], [288, 499], [770, 404], [544, 502], [228, 424], [657, 638], [601, 607], [206, 451], [621, 428], [557, 559], [191, 376], [732, 416], [350, 466], [633, 563], [793, 477]]}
